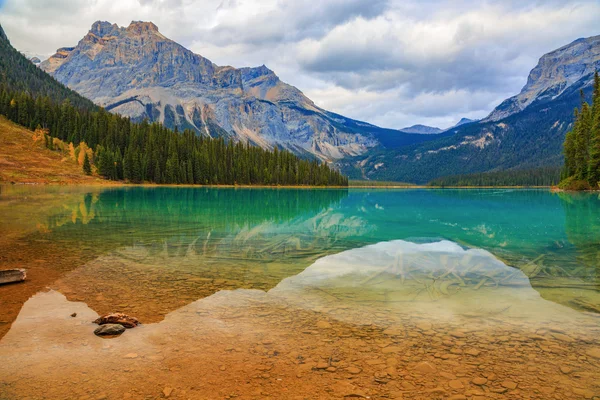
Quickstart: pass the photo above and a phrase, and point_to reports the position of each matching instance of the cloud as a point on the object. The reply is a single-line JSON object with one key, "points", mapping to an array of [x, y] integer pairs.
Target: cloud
{"points": [[389, 62]]}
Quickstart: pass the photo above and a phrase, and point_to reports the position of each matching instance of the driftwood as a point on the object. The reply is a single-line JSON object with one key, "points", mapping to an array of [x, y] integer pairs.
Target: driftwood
{"points": [[12, 275]]}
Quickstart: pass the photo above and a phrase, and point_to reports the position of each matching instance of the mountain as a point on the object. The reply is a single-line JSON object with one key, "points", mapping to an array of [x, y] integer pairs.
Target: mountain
{"points": [[524, 132], [553, 75], [119, 149], [422, 130], [464, 121], [139, 73]]}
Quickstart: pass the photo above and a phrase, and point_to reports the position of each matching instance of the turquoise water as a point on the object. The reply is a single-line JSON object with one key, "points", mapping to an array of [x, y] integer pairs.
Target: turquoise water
{"points": [[550, 235]]}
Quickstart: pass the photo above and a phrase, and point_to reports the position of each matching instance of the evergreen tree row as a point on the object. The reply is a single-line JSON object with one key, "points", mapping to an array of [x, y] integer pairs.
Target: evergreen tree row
{"points": [[141, 152], [147, 152], [543, 176], [582, 145]]}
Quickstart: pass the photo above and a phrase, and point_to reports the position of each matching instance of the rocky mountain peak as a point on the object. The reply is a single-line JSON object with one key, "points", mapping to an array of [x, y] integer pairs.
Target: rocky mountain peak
{"points": [[138, 72], [555, 72], [141, 27], [103, 28]]}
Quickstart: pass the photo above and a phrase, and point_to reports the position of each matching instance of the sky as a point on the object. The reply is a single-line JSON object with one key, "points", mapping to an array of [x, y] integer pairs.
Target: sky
{"points": [[388, 62]]}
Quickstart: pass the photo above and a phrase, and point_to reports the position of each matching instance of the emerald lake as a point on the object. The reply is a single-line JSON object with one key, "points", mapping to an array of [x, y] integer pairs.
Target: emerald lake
{"points": [[300, 293]]}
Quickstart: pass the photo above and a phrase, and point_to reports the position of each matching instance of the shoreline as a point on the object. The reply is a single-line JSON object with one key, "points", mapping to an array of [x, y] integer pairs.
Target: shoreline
{"points": [[107, 183]]}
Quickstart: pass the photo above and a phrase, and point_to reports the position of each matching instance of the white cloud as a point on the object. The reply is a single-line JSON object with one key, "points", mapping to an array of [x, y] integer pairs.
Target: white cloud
{"points": [[389, 62]]}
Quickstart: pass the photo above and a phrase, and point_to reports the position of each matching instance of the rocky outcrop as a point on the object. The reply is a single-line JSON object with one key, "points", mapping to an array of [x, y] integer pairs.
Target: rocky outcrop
{"points": [[138, 72], [554, 73]]}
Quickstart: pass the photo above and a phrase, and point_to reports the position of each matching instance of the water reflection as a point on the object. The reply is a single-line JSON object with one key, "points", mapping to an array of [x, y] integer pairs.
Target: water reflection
{"points": [[391, 320], [149, 251]]}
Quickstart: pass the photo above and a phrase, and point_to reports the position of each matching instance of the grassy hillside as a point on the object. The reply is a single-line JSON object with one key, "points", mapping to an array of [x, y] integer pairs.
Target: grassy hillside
{"points": [[23, 160]]}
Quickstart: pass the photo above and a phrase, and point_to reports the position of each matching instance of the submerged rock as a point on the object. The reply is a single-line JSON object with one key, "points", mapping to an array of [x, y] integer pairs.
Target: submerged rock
{"points": [[109, 330], [118, 318]]}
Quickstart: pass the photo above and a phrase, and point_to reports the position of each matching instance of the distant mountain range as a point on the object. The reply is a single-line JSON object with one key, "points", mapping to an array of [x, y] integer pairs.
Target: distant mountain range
{"points": [[422, 130], [431, 130], [138, 72], [525, 131]]}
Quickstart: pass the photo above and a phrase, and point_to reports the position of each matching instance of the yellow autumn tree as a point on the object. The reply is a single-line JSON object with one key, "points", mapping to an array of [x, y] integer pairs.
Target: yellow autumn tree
{"points": [[83, 148], [72, 152]]}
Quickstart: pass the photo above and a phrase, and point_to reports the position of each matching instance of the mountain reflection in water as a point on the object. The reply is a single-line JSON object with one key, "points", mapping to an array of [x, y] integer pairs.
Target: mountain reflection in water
{"points": [[394, 319]]}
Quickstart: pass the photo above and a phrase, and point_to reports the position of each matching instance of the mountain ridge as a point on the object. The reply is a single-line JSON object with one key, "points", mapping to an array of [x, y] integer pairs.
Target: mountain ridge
{"points": [[422, 129], [555, 72], [138, 72], [529, 136]]}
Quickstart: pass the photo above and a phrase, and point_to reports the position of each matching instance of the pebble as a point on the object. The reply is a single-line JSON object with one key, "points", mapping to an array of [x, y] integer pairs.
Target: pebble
{"points": [[509, 384], [131, 355], [322, 365], [588, 394], [456, 384], [323, 325], [565, 370], [424, 326], [109, 330], [425, 368], [354, 370], [472, 352], [479, 381], [167, 392], [594, 352]]}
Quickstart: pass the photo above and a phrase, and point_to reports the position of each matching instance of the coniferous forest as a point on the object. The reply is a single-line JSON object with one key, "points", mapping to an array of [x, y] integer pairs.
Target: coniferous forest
{"points": [[542, 176], [582, 146], [143, 152]]}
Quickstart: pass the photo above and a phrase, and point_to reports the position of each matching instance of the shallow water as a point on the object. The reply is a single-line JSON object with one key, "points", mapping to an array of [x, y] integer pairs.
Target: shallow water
{"points": [[285, 293]]}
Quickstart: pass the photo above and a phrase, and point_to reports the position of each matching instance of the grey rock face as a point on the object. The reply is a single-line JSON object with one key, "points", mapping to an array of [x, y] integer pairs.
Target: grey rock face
{"points": [[137, 72], [554, 73], [109, 330]]}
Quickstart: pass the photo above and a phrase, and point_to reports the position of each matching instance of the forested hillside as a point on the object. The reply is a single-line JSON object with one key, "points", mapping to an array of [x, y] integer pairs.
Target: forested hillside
{"points": [[524, 132], [545, 176], [582, 145], [17, 73], [142, 152], [526, 140]]}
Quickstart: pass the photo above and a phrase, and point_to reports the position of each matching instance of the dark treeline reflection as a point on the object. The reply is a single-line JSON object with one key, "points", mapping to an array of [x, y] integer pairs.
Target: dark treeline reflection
{"points": [[163, 213], [582, 223]]}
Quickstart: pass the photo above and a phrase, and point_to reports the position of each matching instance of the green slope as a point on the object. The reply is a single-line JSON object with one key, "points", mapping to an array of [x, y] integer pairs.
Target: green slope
{"points": [[17, 74]]}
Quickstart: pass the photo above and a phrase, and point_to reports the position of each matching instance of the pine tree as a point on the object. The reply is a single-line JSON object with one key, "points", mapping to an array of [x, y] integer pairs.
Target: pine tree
{"points": [[87, 167], [594, 163], [582, 144]]}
